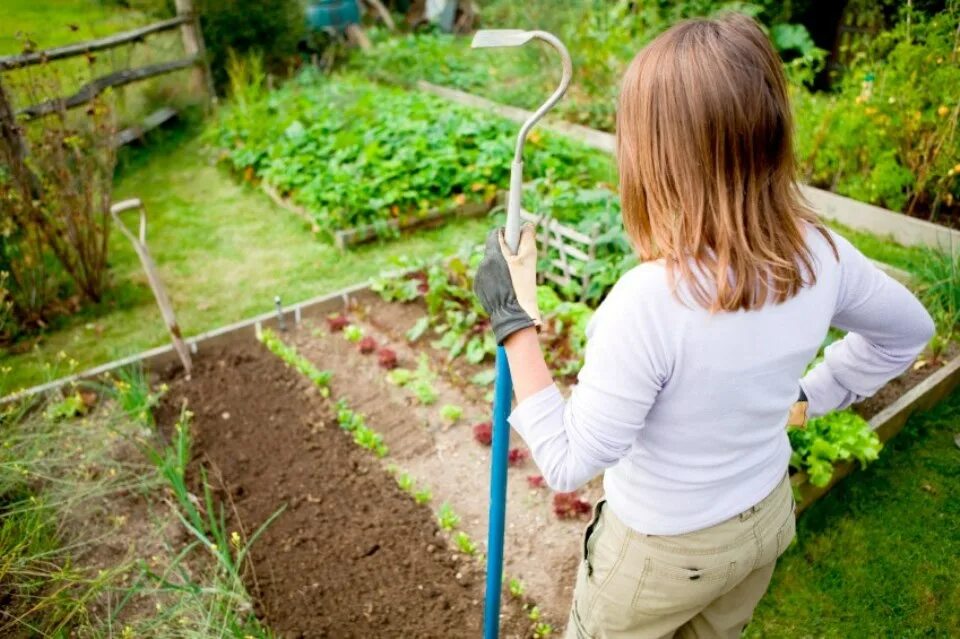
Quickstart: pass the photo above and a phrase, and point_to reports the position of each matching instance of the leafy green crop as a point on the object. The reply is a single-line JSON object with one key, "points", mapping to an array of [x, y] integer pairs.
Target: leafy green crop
{"points": [[454, 314], [419, 382], [446, 518], [292, 358], [356, 423], [355, 153], [835, 437]]}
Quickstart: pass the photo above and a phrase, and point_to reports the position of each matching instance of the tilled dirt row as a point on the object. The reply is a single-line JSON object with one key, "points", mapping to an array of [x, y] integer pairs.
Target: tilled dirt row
{"points": [[541, 550], [350, 555]]}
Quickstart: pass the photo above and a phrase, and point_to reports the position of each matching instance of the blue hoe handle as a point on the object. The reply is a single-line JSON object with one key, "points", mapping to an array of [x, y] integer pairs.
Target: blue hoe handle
{"points": [[502, 395]]}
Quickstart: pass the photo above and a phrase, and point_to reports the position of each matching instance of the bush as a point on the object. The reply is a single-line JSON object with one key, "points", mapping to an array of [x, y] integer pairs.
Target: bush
{"points": [[888, 136], [271, 27], [54, 206]]}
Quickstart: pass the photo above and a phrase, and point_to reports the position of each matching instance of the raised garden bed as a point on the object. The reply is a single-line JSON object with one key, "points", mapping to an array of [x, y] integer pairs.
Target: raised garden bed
{"points": [[349, 555], [359, 160], [433, 445]]}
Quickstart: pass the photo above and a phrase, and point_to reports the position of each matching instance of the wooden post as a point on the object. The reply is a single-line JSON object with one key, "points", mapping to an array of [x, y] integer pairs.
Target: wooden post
{"points": [[201, 79]]}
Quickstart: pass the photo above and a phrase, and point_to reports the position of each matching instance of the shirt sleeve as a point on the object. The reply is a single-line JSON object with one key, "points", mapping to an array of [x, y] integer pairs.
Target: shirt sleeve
{"points": [[624, 369], [888, 328]]}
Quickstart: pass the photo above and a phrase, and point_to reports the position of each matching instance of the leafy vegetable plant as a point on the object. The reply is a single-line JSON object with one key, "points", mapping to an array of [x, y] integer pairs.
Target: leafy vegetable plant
{"points": [[466, 545], [353, 333], [446, 518], [419, 382], [451, 413], [357, 153], [297, 361], [355, 423], [826, 440]]}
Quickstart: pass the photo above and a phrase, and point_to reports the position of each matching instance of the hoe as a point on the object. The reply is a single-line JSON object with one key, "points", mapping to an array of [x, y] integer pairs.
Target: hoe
{"points": [[503, 389]]}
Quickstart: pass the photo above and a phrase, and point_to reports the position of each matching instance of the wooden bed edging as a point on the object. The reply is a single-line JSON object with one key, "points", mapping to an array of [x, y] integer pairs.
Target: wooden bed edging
{"points": [[861, 216], [887, 424], [162, 356], [345, 238]]}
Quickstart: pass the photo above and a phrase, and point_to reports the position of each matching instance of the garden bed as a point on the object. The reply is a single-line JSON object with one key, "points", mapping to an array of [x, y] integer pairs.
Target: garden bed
{"points": [[437, 458], [350, 555]]}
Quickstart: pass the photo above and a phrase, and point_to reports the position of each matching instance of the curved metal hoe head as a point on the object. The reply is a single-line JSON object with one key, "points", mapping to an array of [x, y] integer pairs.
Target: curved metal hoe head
{"points": [[486, 38]]}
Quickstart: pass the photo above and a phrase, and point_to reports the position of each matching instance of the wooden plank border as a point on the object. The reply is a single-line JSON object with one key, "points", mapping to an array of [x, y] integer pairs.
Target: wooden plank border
{"points": [[902, 228], [346, 238], [162, 356]]}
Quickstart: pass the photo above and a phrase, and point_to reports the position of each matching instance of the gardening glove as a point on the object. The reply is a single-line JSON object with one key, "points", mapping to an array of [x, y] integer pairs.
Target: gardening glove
{"points": [[507, 284], [798, 412]]}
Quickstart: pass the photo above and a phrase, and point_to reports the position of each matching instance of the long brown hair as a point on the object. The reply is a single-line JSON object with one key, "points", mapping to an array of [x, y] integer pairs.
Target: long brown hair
{"points": [[707, 172]]}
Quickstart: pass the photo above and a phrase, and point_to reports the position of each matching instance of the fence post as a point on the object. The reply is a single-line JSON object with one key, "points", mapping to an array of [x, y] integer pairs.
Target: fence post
{"points": [[201, 79]]}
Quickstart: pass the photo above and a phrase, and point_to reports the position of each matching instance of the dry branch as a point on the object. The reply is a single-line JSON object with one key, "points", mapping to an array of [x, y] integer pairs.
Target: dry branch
{"points": [[81, 48]]}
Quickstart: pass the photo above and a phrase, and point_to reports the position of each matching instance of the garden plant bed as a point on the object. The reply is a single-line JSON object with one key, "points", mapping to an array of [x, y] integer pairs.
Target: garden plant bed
{"points": [[443, 458], [350, 555], [541, 550]]}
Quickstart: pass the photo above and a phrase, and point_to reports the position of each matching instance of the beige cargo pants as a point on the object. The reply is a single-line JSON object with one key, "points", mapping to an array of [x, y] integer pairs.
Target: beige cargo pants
{"points": [[700, 584]]}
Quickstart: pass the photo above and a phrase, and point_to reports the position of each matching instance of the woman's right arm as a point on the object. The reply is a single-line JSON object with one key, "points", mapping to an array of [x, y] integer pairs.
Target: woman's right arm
{"points": [[887, 329]]}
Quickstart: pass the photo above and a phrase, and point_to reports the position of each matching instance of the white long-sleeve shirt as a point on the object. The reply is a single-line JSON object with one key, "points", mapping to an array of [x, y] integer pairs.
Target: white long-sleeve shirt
{"points": [[686, 410]]}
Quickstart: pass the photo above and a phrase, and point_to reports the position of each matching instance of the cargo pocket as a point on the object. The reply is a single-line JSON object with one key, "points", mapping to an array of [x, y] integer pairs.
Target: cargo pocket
{"points": [[666, 588]]}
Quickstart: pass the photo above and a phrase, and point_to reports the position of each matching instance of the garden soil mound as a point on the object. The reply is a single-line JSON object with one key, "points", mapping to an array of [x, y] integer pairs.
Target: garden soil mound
{"points": [[351, 555]]}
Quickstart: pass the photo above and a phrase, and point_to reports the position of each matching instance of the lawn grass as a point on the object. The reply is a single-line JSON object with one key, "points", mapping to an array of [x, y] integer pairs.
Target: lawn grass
{"points": [[59, 22], [224, 251], [880, 554]]}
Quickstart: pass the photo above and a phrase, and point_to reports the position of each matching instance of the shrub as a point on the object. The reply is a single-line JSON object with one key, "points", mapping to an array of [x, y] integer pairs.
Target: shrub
{"points": [[271, 27], [889, 134], [54, 204]]}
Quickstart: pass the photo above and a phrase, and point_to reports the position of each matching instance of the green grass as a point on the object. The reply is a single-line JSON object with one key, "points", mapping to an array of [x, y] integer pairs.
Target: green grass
{"points": [[879, 555], [224, 250], [51, 23], [883, 249]]}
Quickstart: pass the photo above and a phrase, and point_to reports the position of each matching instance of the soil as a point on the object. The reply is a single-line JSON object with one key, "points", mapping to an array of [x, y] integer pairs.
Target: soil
{"points": [[540, 550], [350, 554], [895, 389]]}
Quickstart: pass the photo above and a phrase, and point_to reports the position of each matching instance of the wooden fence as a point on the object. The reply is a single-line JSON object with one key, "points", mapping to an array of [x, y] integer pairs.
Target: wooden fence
{"points": [[186, 21]]}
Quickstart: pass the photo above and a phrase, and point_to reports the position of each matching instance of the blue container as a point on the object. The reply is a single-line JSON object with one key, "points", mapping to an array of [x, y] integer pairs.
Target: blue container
{"points": [[336, 14]]}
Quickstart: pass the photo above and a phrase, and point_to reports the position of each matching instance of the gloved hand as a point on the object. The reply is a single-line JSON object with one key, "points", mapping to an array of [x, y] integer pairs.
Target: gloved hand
{"points": [[507, 284]]}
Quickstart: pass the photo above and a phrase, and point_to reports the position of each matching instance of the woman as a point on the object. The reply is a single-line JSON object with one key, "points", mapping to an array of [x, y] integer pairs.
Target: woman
{"points": [[696, 357]]}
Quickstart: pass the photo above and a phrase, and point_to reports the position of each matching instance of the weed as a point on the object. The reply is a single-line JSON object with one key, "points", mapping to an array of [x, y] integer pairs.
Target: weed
{"points": [[132, 391]]}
